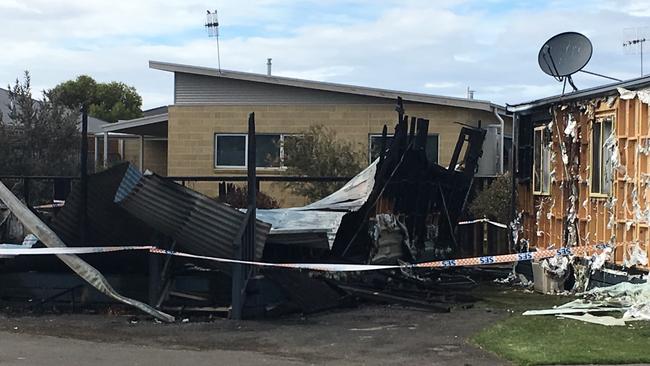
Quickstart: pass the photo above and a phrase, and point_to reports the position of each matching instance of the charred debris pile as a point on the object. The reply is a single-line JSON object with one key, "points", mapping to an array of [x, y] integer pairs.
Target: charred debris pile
{"points": [[401, 209]]}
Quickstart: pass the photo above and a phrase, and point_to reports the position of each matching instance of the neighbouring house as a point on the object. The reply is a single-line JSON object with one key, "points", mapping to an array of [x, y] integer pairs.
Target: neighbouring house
{"points": [[114, 149], [581, 169], [204, 132]]}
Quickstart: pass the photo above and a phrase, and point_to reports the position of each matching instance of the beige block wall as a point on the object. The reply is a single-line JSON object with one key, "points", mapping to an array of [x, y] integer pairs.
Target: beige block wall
{"points": [[192, 128], [155, 154]]}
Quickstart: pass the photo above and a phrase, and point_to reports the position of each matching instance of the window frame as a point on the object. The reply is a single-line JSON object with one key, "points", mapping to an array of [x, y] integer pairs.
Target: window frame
{"points": [[544, 142], [245, 135], [599, 121], [388, 136]]}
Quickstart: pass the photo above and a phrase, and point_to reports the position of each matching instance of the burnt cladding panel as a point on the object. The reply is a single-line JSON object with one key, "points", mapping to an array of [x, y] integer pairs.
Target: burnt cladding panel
{"points": [[201, 89]]}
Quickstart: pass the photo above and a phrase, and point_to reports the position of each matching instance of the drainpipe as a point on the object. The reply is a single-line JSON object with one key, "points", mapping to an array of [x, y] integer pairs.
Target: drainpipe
{"points": [[503, 132], [514, 162]]}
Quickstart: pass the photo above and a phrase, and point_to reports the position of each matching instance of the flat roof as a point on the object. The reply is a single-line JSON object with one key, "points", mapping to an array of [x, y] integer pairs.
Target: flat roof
{"points": [[332, 87], [155, 125], [602, 90]]}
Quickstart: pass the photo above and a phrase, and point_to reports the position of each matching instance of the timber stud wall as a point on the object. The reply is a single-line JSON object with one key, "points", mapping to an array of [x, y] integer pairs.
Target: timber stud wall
{"points": [[192, 128], [621, 218]]}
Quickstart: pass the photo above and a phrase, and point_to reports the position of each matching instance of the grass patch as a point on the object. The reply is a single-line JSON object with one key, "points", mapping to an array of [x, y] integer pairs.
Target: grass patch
{"points": [[515, 299], [544, 340]]}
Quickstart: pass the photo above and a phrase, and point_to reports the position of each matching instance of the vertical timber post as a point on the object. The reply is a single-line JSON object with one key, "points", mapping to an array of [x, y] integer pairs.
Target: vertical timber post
{"points": [[83, 220], [96, 158], [105, 162], [154, 278], [245, 245], [141, 157]]}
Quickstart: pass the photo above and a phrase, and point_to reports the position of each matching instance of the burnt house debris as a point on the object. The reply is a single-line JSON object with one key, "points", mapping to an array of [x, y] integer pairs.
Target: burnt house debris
{"points": [[403, 208], [419, 200]]}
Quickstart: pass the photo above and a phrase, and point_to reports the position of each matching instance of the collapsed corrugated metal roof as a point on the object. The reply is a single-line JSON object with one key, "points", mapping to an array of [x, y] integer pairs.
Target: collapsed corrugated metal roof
{"points": [[107, 224], [352, 195], [316, 224], [305, 228], [199, 224]]}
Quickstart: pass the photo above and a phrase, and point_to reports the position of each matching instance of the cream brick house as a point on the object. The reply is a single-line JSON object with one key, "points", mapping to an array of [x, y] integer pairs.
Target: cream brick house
{"points": [[203, 132]]}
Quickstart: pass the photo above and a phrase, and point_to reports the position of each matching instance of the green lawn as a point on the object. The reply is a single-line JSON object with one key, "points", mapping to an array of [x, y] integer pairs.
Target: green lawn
{"points": [[537, 340]]}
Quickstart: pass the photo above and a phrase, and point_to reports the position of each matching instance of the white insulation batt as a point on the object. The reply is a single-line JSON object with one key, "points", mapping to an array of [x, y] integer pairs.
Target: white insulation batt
{"points": [[643, 94]]}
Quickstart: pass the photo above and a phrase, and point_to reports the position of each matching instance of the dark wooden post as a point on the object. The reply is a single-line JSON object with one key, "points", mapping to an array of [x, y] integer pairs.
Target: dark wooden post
{"points": [[83, 219], [382, 152], [155, 261], [245, 244]]}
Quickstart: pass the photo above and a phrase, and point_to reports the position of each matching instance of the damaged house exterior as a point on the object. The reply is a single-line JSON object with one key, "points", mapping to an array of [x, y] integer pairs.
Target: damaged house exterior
{"points": [[582, 170], [203, 132]]}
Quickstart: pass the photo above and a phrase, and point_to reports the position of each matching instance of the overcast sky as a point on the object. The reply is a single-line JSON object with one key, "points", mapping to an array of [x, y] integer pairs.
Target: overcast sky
{"points": [[437, 47]]}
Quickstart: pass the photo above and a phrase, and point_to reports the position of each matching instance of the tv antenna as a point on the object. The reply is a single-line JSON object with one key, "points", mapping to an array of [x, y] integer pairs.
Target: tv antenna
{"points": [[212, 25], [565, 54], [635, 37]]}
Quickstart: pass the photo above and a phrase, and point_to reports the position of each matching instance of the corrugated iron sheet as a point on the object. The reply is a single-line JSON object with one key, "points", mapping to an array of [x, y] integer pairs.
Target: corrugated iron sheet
{"points": [[316, 224], [199, 224], [351, 196], [107, 223], [291, 226]]}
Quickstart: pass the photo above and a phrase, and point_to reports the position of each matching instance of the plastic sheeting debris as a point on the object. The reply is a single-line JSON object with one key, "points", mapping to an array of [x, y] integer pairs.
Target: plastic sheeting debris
{"points": [[635, 256], [630, 298], [601, 320], [634, 297], [598, 260]]}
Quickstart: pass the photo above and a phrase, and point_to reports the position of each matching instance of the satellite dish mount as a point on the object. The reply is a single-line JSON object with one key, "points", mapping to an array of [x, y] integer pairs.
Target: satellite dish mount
{"points": [[565, 54]]}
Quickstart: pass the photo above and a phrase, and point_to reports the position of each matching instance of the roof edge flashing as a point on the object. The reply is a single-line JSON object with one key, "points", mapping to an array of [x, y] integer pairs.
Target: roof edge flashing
{"points": [[328, 86]]}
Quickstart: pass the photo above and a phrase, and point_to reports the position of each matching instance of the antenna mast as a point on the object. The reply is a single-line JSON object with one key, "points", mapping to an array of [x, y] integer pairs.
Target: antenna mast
{"points": [[636, 41], [212, 25]]}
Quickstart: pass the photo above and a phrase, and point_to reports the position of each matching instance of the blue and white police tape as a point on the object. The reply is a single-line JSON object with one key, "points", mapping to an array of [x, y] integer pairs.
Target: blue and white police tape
{"points": [[327, 267], [68, 250]]}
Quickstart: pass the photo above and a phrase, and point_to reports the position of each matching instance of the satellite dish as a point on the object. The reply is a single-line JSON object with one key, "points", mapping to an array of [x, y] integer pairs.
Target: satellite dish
{"points": [[565, 54]]}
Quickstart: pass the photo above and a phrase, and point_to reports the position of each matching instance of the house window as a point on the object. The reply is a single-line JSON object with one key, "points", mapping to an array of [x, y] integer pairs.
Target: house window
{"points": [[601, 156], [374, 147], [267, 154], [542, 161], [231, 150]]}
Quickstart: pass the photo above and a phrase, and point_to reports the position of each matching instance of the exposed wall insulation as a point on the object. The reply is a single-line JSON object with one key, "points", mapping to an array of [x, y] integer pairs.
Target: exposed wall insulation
{"points": [[571, 213]]}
